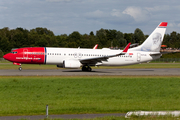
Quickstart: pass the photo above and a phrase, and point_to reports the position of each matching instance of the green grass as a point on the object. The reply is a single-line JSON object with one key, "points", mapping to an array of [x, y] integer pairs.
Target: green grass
{"points": [[98, 118], [75, 95], [122, 118]]}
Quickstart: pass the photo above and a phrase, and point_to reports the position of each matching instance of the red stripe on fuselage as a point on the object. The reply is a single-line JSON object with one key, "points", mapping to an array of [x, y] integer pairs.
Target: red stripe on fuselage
{"points": [[30, 55]]}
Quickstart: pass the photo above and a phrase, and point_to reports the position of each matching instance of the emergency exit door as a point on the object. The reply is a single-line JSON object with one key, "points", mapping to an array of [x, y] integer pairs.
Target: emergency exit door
{"points": [[138, 57]]}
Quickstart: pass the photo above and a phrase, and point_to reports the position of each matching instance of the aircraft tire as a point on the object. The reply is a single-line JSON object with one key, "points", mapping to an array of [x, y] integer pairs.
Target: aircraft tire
{"points": [[86, 68], [20, 68], [83, 68], [89, 69]]}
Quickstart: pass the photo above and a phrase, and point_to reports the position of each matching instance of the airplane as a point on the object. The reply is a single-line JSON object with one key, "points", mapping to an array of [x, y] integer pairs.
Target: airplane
{"points": [[80, 57]]}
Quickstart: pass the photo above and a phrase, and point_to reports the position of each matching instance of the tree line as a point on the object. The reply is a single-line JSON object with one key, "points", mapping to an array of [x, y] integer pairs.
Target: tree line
{"points": [[42, 37]]}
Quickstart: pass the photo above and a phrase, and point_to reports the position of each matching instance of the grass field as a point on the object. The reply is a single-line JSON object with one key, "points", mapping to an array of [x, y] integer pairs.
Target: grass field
{"points": [[75, 95], [132, 118], [123, 118]]}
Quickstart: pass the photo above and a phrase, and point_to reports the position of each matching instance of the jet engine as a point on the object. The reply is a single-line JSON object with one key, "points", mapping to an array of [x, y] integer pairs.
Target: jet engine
{"points": [[71, 64]]}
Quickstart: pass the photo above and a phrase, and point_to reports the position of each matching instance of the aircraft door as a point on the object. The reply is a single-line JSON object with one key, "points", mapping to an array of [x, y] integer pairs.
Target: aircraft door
{"points": [[25, 53], [138, 57]]}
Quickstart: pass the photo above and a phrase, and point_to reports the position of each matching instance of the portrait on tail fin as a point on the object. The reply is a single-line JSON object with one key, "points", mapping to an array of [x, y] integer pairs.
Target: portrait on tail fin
{"points": [[154, 45], [154, 41]]}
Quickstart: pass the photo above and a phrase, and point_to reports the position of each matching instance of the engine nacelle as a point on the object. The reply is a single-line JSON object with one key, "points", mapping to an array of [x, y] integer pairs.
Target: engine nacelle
{"points": [[71, 64]]}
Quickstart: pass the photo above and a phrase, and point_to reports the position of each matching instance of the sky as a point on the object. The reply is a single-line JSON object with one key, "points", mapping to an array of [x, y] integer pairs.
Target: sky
{"points": [[84, 16]]}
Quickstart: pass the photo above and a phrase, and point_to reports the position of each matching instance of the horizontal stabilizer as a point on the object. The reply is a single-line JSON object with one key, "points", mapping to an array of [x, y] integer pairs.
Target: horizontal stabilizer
{"points": [[155, 54]]}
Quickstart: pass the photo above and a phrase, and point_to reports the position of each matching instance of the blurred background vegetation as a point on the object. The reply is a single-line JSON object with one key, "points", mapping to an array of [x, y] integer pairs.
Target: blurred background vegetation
{"points": [[42, 37]]}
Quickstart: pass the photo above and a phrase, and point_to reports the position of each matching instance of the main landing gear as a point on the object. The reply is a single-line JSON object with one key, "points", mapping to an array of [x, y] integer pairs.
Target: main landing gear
{"points": [[86, 68]]}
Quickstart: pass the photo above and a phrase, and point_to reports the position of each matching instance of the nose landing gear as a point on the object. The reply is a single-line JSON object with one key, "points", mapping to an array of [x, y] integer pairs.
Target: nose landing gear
{"points": [[20, 68]]}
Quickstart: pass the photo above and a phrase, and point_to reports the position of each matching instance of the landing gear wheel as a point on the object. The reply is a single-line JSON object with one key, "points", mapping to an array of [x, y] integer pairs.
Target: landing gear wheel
{"points": [[89, 69], [20, 68], [86, 68], [83, 68]]}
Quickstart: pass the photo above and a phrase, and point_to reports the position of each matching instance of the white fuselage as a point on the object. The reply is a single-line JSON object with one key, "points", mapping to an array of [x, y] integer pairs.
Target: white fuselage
{"points": [[58, 55]]}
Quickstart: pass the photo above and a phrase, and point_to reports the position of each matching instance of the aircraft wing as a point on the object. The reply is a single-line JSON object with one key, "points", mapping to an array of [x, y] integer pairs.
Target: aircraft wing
{"points": [[103, 58]]}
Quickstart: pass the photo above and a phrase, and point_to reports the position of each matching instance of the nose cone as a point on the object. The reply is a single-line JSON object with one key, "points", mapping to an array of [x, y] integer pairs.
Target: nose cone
{"points": [[7, 56]]}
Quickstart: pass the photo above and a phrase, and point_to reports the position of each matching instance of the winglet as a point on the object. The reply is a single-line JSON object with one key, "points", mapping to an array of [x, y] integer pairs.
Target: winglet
{"points": [[126, 48]]}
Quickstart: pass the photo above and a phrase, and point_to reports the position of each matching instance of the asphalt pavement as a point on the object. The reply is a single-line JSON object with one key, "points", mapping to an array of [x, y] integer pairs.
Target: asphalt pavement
{"points": [[94, 72]]}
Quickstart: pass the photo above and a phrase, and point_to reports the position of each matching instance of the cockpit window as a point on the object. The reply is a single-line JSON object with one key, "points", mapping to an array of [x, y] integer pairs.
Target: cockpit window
{"points": [[14, 52]]}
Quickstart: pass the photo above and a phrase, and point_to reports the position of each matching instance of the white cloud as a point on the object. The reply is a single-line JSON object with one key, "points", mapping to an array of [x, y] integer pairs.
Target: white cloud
{"points": [[116, 13], [137, 13], [59, 0], [177, 7], [178, 25], [65, 16], [96, 14], [64, 0], [3, 8], [158, 8], [171, 24]]}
